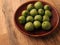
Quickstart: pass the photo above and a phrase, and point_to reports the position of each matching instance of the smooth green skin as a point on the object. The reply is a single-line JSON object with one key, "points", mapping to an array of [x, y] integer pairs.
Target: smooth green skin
{"points": [[41, 11], [37, 24], [38, 18], [38, 5], [46, 18], [21, 20], [24, 13], [33, 12], [46, 25], [29, 7], [48, 13], [29, 26], [46, 7], [29, 19]]}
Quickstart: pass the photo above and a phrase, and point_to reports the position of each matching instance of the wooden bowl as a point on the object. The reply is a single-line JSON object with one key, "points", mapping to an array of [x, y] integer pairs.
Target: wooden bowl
{"points": [[54, 20]]}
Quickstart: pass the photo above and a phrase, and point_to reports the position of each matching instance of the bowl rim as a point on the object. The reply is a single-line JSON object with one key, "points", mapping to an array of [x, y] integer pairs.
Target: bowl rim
{"points": [[42, 35]]}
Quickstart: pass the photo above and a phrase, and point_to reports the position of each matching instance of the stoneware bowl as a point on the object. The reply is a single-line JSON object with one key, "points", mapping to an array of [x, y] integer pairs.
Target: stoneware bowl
{"points": [[54, 20]]}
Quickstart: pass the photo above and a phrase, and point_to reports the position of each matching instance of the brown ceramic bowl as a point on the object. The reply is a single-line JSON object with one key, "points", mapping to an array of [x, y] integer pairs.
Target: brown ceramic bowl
{"points": [[54, 20]]}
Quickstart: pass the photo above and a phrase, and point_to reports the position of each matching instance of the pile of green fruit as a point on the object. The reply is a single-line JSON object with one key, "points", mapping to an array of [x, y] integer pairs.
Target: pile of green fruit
{"points": [[36, 16]]}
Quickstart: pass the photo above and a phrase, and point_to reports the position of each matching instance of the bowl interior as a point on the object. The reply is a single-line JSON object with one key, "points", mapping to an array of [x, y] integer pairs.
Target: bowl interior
{"points": [[54, 20]]}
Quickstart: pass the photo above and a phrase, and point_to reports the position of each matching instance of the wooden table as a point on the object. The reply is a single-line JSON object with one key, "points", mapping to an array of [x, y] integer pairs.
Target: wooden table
{"points": [[10, 35]]}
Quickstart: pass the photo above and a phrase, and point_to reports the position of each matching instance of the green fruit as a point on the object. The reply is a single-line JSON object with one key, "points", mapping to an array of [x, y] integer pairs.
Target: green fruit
{"points": [[29, 26], [46, 18], [24, 13], [29, 7], [48, 13], [38, 5], [41, 11], [38, 18], [37, 24], [21, 20], [33, 12], [47, 7], [29, 19], [46, 25]]}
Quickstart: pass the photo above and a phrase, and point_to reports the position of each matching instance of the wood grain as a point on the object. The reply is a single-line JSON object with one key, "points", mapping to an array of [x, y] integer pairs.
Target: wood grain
{"points": [[10, 35]]}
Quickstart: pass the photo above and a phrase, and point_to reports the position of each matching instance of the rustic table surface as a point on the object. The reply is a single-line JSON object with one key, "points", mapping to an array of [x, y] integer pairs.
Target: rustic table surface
{"points": [[10, 35]]}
